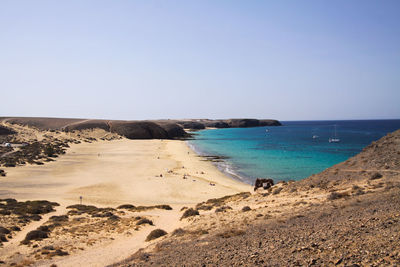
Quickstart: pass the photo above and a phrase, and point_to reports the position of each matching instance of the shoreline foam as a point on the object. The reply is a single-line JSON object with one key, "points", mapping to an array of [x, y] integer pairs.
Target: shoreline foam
{"points": [[223, 165]]}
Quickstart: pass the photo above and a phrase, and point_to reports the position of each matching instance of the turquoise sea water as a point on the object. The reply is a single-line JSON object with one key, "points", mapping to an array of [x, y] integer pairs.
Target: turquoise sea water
{"points": [[288, 152]]}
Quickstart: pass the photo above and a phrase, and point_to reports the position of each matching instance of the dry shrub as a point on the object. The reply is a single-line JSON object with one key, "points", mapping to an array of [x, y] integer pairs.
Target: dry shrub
{"points": [[61, 218], [356, 190], [34, 235], [189, 213], [246, 208], [203, 207], [221, 201], [223, 209], [375, 176], [4, 230], [144, 208], [155, 234], [231, 233], [3, 238], [277, 191], [144, 221], [126, 206], [179, 232], [199, 232], [337, 195]]}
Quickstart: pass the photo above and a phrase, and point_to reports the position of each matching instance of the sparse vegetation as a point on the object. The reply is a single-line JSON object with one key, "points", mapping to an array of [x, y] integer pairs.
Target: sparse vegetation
{"points": [[144, 208], [34, 152], [216, 202], [78, 209], [26, 211]]}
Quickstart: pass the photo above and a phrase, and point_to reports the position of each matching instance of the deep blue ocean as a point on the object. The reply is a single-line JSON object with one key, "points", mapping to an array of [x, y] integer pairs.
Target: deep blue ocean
{"points": [[288, 152]]}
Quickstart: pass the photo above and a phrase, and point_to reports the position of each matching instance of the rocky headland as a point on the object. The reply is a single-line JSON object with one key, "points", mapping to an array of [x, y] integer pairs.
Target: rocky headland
{"points": [[156, 129]]}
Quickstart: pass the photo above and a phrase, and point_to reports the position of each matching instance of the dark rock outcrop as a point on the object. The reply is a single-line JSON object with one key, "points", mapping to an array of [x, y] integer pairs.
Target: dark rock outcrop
{"points": [[216, 124], [147, 129], [139, 130], [264, 183], [173, 130], [193, 125], [239, 123], [269, 123], [243, 123]]}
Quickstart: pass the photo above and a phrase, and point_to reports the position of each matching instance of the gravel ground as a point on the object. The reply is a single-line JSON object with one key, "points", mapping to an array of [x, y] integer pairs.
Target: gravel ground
{"points": [[364, 230]]}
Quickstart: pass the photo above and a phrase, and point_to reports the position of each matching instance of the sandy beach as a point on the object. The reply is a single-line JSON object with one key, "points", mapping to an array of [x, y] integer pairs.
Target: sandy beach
{"points": [[108, 174], [122, 171]]}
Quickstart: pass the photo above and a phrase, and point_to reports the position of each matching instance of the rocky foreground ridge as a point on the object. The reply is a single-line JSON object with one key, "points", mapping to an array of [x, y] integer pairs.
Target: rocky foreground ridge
{"points": [[156, 129], [348, 215]]}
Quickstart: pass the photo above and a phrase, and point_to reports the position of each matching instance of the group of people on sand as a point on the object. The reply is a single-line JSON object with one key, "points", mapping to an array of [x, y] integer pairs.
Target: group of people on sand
{"points": [[185, 175]]}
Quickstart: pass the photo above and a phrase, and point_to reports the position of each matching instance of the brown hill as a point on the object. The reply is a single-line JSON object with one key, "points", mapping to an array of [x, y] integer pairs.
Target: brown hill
{"points": [[42, 123], [129, 129]]}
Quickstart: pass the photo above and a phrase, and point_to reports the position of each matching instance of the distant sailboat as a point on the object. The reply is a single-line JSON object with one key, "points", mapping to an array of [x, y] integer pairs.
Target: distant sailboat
{"points": [[334, 139]]}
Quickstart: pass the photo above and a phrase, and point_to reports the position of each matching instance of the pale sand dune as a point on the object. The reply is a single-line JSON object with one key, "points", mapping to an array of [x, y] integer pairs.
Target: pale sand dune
{"points": [[121, 171]]}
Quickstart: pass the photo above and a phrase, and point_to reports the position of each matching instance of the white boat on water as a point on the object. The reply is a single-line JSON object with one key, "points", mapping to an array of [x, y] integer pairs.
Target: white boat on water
{"points": [[334, 139], [315, 137]]}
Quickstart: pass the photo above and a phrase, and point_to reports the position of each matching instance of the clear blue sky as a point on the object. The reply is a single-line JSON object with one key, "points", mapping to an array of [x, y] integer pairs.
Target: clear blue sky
{"points": [[289, 60]]}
